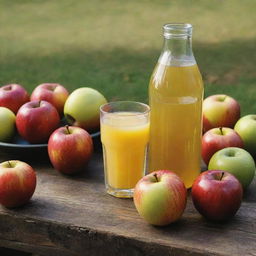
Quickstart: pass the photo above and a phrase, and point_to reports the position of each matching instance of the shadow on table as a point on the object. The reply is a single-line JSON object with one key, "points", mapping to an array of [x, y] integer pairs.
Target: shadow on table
{"points": [[12, 252]]}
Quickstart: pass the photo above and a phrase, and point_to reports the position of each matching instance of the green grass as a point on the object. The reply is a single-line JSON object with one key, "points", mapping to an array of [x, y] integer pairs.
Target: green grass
{"points": [[113, 45]]}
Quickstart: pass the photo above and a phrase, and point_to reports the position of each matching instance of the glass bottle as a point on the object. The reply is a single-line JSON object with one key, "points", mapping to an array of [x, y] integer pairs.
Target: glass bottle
{"points": [[175, 98]]}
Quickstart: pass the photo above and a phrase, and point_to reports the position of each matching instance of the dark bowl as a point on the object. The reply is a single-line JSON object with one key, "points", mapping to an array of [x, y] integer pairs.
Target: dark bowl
{"points": [[20, 149]]}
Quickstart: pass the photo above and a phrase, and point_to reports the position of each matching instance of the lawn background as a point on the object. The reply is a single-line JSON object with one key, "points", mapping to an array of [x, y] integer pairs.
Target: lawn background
{"points": [[113, 45]]}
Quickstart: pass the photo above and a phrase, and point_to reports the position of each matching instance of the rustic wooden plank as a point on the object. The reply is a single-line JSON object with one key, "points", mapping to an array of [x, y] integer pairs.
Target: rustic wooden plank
{"points": [[74, 216]]}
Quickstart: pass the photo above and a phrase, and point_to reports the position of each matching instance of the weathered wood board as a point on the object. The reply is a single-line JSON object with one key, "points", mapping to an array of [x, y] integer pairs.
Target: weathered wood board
{"points": [[74, 216]]}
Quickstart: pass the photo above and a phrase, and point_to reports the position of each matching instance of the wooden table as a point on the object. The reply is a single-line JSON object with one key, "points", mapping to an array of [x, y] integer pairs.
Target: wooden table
{"points": [[74, 216]]}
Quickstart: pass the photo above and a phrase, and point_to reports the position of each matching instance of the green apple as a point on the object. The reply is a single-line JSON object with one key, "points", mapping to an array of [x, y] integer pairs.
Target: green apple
{"points": [[246, 128], [82, 108], [7, 121], [236, 161]]}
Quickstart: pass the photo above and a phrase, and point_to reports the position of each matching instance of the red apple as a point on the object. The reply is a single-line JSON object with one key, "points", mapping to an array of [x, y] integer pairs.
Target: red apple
{"points": [[219, 138], [69, 149], [17, 183], [220, 110], [36, 120], [13, 96], [160, 197], [54, 93], [217, 195]]}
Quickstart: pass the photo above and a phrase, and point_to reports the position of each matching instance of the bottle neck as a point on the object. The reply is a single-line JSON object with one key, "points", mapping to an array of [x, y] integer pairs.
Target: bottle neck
{"points": [[177, 49]]}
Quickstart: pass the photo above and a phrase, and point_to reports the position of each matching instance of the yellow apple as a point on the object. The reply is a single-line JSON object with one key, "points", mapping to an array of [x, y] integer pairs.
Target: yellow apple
{"points": [[7, 121], [82, 108]]}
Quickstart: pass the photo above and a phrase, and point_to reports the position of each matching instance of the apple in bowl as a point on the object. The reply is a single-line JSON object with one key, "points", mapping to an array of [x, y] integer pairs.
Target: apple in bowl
{"points": [[220, 110], [82, 108], [13, 96], [7, 124], [36, 120], [160, 197], [54, 93]]}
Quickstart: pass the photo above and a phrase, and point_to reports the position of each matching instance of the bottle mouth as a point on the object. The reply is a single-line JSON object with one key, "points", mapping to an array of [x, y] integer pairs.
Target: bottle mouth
{"points": [[177, 30]]}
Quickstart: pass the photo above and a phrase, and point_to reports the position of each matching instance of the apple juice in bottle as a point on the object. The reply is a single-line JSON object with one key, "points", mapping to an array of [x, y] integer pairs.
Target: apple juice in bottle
{"points": [[175, 98]]}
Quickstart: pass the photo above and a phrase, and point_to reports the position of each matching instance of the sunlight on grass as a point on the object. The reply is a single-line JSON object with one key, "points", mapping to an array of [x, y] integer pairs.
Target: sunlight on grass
{"points": [[113, 45]]}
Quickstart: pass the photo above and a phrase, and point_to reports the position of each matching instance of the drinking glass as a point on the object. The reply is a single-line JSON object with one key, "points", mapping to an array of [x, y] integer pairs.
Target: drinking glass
{"points": [[124, 137]]}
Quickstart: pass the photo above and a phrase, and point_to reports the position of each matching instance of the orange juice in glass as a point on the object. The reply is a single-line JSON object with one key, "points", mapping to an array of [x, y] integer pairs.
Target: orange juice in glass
{"points": [[124, 137]]}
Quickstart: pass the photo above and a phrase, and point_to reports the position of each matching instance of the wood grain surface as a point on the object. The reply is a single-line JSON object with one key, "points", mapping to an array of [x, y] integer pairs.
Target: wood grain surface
{"points": [[74, 216]]}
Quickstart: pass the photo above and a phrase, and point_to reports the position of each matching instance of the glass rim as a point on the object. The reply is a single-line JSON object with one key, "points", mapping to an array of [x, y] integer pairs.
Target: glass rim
{"points": [[147, 107]]}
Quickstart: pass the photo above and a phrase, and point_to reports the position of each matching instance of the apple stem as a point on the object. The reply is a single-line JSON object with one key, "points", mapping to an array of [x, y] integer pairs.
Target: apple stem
{"points": [[9, 164], [222, 174], [67, 129], [221, 130], [155, 175]]}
